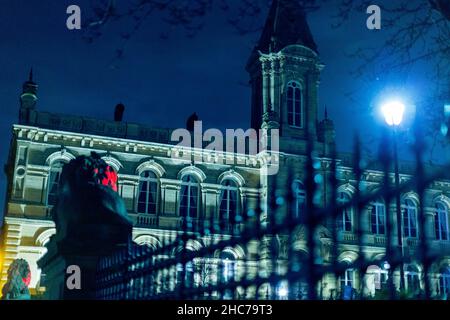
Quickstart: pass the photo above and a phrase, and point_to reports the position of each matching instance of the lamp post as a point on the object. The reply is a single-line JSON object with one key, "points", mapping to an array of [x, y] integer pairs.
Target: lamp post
{"points": [[445, 128], [393, 114]]}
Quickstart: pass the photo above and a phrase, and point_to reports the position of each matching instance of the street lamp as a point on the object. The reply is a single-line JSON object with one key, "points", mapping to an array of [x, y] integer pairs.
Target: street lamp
{"points": [[447, 110], [393, 114], [445, 127], [283, 292]]}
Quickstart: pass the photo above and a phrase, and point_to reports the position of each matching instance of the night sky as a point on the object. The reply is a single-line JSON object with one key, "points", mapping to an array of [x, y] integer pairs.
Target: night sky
{"points": [[161, 82]]}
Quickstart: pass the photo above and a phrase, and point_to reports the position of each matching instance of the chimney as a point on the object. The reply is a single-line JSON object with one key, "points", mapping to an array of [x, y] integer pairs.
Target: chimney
{"points": [[118, 113], [190, 121]]}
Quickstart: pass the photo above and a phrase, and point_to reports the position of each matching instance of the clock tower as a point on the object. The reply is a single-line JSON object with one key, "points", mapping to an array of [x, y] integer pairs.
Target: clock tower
{"points": [[284, 70]]}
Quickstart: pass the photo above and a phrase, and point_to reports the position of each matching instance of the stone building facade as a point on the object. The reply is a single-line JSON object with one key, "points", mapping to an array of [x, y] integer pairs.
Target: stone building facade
{"points": [[157, 187]]}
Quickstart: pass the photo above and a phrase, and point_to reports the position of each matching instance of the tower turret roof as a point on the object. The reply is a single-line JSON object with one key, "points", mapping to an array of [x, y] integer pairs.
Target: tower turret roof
{"points": [[285, 25]]}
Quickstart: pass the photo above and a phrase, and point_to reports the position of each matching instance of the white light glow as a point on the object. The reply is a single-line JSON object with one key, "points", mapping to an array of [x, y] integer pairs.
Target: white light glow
{"points": [[283, 292], [447, 110], [393, 112]]}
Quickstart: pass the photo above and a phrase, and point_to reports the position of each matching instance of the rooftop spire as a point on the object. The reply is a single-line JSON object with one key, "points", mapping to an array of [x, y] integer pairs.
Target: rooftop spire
{"points": [[28, 100], [285, 25], [30, 86], [30, 77]]}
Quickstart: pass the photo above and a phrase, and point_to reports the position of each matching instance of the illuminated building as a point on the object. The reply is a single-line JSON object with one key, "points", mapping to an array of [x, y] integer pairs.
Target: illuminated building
{"points": [[284, 72]]}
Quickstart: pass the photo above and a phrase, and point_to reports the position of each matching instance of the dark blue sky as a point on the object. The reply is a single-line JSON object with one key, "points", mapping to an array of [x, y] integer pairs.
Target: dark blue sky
{"points": [[161, 82]]}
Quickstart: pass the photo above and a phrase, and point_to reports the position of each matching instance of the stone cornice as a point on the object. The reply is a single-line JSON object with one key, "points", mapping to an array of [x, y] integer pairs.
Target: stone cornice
{"points": [[27, 133], [29, 221]]}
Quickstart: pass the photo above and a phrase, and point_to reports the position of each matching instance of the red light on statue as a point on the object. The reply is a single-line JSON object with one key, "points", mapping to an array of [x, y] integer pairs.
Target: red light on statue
{"points": [[110, 179]]}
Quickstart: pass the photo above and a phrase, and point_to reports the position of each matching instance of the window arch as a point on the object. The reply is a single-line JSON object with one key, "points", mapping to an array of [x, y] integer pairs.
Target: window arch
{"points": [[409, 218], [189, 196], [378, 218], [345, 216], [444, 281], [299, 193], [377, 276], [113, 162], [412, 278], [441, 221], [148, 193], [229, 201], [54, 178], [147, 240], [295, 104]]}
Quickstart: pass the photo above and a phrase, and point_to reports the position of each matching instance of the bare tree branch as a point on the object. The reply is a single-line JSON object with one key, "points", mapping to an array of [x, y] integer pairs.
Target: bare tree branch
{"points": [[417, 31]]}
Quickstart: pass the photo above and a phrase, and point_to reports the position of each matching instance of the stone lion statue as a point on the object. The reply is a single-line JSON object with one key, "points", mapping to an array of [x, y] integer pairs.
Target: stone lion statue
{"points": [[19, 277], [89, 211]]}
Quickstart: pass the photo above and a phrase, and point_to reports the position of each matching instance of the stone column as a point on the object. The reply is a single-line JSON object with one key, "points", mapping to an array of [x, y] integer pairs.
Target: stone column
{"points": [[273, 85], [366, 222], [12, 235], [169, 196], [129, 190], [429, 213], [391, 211], [265, 85]]}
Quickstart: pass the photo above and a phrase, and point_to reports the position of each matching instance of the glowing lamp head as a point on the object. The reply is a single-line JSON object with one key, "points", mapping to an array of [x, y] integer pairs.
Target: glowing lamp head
{"points": [[447, 110], [393, 112], [283, 292]]}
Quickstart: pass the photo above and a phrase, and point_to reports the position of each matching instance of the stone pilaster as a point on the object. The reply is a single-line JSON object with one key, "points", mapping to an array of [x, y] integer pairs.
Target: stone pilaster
{"points": [[11, 242], [170, 190], [430, 214], [265, 85]]}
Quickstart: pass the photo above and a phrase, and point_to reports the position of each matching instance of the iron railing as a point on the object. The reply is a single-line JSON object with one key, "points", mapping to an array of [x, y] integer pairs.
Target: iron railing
{"points": [[269, 253]]}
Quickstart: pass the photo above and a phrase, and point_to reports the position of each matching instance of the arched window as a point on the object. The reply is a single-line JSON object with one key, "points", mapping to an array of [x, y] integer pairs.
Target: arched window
{"points": [[229, 201], [148, 193], [412, 278], [378, 218], [345, 216], [444, 281], [348, 284], [299, 192], [228, 266], [188, 271], [189, 196], [295, 104], [377, 276], [441, 221], [53, 181], [409, 214], [347, 281]]}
